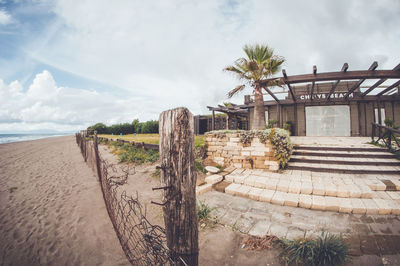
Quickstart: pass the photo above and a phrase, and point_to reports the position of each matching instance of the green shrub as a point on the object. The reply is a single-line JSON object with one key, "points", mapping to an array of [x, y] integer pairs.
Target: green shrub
{"points": [[327, 249], [272, 123], [131, 154], [288, 126], [199, 166], [203, 210]]}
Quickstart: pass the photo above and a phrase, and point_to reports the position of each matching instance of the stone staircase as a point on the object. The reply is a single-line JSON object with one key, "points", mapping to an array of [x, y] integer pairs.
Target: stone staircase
{"points": [[345, 160], [338, 192]]}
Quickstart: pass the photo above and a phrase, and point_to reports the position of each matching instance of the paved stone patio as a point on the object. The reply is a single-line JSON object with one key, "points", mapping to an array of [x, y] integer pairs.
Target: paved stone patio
{"points": [[367, 234]]}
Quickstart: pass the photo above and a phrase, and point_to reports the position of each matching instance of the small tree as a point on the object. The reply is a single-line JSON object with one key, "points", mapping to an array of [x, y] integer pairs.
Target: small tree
{"points": [[260, 64]]}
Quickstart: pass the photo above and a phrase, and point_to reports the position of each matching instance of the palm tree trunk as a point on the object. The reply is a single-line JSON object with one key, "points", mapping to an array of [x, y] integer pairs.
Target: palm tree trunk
{"points": [[259, 110]]}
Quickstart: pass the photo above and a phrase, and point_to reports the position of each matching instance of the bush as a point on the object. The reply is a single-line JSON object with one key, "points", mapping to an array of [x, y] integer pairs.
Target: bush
{"points": [[203, 210], [272, 123], [131, 154], [327, 249]]}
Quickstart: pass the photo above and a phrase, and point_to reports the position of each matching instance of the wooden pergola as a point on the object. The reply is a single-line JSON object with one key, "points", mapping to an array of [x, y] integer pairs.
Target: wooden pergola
{"points": [[231, 110], [358, 77]]}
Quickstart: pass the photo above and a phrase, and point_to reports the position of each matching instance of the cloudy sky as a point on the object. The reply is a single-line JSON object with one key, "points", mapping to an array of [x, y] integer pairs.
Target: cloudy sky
{"points": [[66, 64]]}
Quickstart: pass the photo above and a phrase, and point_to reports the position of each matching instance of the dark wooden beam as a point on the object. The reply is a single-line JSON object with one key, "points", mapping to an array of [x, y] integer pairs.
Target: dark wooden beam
{"points": [[273, 95], [371, 68], [389, 88], [344, 69], [290, 88], [379, 82], [313, 83], [348, 75]]}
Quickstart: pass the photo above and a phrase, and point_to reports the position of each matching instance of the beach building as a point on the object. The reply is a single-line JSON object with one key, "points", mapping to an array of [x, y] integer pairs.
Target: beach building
{"points": [[319, 104]]}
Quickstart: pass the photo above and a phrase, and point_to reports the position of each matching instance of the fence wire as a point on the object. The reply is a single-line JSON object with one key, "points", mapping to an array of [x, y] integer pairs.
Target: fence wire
{"points": [[142, 242]]}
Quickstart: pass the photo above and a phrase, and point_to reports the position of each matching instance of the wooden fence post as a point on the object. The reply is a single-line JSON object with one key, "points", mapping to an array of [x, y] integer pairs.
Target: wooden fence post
{"points": [[178, 175]]}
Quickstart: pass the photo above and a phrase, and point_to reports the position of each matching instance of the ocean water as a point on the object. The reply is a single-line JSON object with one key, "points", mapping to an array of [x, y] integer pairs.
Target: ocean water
{"points": [[8, 138]]}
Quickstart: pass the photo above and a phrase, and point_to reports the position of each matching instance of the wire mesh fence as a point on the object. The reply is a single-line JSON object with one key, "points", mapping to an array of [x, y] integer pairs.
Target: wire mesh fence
{"points": [[142, 242]]}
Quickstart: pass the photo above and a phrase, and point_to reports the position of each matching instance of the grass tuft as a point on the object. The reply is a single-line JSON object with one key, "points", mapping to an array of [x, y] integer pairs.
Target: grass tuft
{"points": [[327, 249]]}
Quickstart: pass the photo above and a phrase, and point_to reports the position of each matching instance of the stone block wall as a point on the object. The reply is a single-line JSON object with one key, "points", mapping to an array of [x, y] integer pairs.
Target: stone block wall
{"points": [[227, 150]]}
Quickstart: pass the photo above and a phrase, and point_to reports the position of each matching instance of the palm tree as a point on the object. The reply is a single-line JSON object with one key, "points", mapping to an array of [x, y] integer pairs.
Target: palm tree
{"points": [[261, 63]]}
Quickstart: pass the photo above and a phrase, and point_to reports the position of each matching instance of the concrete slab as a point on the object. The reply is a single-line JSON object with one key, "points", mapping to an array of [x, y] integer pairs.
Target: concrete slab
{"points": [[305, 201], [318, 188], [278, 230], [291, 199], [202, 189], [255, 193], [232, 189], [294, 187], [266, 195], [358, 206], [278, 198], [332, 204], [213, 179], [384, 207], [345, 205], [283, 186], [331, 190], [271, 183], [306, 188], [260, 228], [318, 203], [370, 206]]}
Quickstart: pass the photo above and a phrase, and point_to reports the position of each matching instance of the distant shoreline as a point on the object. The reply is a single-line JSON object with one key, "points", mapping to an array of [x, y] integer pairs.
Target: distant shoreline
{"points": [[23, 137]]}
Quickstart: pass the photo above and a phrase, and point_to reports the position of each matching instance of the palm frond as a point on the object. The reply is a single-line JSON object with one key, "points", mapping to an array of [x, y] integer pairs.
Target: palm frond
{"points": [[235, 90]]}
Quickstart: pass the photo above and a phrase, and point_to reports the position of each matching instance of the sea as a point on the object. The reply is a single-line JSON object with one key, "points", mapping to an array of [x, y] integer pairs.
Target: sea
{"points": [[8, 138]]}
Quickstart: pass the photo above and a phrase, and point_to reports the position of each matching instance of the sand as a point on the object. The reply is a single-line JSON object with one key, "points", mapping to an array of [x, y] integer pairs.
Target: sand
{"points": [[51, 207]]}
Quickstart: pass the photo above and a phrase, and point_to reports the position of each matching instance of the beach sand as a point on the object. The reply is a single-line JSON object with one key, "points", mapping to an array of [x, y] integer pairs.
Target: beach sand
{"points": [[51, 207]]}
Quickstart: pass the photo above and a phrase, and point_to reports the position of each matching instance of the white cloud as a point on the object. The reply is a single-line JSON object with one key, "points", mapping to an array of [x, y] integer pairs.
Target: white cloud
{"points": [[5, 18], [57, 108]]}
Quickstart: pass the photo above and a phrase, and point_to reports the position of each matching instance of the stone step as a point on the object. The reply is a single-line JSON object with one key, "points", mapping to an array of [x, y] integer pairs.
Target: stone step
{"points": [[343, 168], [345, 161], [338, 148], [351, 159], [345, 154], [345, 188], [316, 202]]}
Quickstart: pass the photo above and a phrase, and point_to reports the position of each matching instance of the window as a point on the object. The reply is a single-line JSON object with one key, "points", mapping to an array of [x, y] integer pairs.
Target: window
{"points": [[382, 116]]}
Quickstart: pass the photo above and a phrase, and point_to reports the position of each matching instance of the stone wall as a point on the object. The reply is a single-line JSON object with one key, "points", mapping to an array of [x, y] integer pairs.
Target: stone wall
{"points": [[227, 150]]}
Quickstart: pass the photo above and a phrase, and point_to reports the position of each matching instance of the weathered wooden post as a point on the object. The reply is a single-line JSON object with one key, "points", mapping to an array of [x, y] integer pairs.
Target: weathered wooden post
{"points": [[178, 177]]}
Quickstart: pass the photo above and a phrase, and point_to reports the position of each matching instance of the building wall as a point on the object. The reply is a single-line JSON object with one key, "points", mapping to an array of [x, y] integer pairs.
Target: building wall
{"points": [[354, 123]]}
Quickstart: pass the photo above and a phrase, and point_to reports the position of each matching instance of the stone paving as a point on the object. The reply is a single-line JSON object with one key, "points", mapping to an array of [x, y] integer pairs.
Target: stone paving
{"points": [[358, 194], [367, 234]]}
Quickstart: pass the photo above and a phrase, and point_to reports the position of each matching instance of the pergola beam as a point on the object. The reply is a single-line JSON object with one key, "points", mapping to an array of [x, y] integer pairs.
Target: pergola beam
{"points": [[379, 82], [389, 88], [290, 88], [313, 83], [348, 75], [344, 69], [371, 68], [273, 95]]}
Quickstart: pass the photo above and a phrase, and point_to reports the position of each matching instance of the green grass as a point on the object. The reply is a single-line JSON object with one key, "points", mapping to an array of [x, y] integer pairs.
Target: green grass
{"points": [[327, 249], [131, 154], [149, 138]]}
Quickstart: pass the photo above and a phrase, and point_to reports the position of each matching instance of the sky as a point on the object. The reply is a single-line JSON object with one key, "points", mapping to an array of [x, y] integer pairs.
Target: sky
{"points": [[66, 64]]}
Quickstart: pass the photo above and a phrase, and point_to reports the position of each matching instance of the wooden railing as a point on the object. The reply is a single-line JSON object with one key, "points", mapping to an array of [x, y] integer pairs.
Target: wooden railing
{"points": [[389, 136]]}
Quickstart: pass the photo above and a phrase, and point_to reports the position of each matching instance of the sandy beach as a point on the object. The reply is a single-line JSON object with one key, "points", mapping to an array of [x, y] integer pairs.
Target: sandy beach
{"points": [[51, 207]]}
